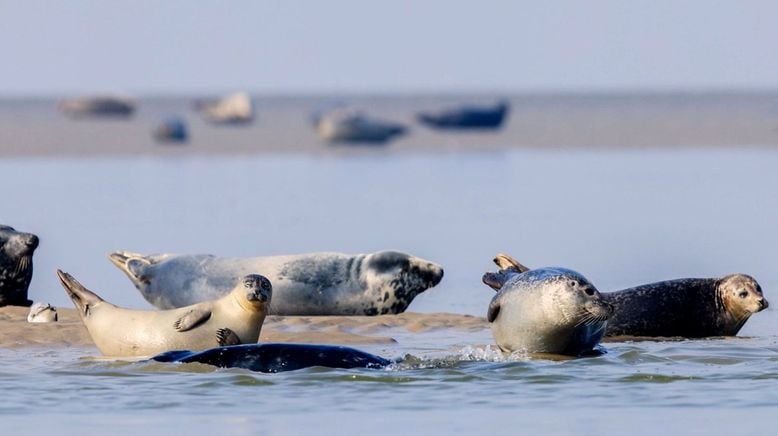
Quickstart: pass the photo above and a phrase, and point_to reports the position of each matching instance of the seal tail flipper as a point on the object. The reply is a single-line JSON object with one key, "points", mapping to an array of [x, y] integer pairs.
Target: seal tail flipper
{"points": [[133, 264], [82, 297], [506, 262]]}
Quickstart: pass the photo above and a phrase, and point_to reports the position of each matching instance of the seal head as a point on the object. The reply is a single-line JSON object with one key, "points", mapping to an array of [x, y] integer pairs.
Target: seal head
{"points": [[16, 250], [741, 297], [42, 312]]}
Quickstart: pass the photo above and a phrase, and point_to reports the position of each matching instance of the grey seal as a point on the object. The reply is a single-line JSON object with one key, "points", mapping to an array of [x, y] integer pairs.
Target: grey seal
{"points": [[307, 284], [41, 313], [16, 250], [690, 308], [545, 310], [235, 318]]}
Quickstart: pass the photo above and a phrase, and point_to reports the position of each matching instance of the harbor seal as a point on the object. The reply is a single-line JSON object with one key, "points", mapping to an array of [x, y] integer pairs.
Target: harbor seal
{"points": [[278, 357], [16, 250], [42, 312], [307, 284], [546, 310], [235, 318], [690, 308]]}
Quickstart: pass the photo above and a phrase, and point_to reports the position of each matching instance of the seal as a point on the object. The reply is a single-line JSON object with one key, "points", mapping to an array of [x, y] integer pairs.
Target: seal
{"points": [[233, 319], [689, 308], [546, 310], [16, 250], [278, 357], [380, 283], [42, 312]]}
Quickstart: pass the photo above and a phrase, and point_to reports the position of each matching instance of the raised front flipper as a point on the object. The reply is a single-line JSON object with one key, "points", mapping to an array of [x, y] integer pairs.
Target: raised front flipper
{"points": [[192, 319], [507, 263]]}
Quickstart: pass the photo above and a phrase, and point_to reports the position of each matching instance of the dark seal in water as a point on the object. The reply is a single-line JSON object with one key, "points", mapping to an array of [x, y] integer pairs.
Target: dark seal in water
{"points": [[16, 249], [277, 357]]}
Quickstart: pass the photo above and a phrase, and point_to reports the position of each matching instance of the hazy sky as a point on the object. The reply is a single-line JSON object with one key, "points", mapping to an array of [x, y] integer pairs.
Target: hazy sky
{"points": [[330, 46]]}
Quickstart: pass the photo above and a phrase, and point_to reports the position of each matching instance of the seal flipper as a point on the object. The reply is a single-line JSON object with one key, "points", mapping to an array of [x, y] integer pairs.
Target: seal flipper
{"points": [[507, 263], [225, 337], [82, 297], [494, 310], [192, 319]]}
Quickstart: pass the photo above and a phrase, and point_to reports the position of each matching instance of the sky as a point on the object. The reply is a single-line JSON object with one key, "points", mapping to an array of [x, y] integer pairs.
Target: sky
{"points": [[176, 47]]}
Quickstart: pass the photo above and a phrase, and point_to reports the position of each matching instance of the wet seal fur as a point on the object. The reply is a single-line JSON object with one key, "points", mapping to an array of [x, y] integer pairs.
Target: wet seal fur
{"points": [[546, 310], [278, 357], [16, 250], [380, 283], [690, 308], [233, 319]]}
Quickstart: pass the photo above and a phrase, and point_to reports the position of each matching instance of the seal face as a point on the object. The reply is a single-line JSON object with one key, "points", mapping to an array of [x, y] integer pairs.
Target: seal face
{"points": [[546, 310], [16, 250], [384, 282], [235, 318], [42, 312], [691, 308]]}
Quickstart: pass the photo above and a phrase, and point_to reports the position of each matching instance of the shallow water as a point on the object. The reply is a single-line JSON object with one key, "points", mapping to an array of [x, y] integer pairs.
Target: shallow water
{"points": [[621, 218]]}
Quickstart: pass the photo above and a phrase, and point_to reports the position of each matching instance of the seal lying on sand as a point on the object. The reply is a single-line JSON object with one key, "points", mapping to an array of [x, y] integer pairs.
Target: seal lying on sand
{"points": [[42, 312], [307, 284], [691, 308], [233, 319], [546, 310], [278, 357], [16, 249]]}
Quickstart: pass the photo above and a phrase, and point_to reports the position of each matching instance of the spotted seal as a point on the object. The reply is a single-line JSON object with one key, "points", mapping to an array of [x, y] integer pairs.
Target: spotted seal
{"points": [[41, 313], [235, 318], [16, 250], [307, 284], [545, 310], [690, 308]]}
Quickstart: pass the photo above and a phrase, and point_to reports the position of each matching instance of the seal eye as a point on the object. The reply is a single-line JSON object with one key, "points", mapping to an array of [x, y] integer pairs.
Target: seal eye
{"points": [[743, 294], [589, 292]]}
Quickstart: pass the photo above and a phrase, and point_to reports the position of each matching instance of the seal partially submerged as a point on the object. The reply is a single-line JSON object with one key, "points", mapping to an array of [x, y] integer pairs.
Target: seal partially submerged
{"points": [[546, 310], [233, 319], [42, 312], [307, 284], [691, 308], [16, 250], [278, 357]]}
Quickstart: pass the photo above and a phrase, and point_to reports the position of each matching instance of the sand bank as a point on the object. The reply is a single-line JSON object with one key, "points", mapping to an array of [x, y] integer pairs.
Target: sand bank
{"points": [[344, 330]]}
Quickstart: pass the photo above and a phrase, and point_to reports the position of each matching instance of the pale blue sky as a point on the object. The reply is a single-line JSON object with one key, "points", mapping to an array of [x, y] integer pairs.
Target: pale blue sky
{"points": [[333, 46]]}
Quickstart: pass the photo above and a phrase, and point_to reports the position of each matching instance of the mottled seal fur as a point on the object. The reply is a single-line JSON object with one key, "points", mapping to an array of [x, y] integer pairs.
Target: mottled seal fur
{"points": [[233, 319], [307, 284], [545, 310], [16, 250], [41, 313], [278, 357], [691, 308]]}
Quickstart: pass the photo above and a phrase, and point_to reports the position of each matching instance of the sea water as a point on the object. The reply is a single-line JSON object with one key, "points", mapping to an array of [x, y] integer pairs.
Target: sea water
{"points": [[621, 218]]}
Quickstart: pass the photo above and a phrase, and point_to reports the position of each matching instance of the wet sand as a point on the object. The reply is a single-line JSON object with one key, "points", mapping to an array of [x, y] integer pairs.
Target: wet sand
{"points": [[15, 331]]}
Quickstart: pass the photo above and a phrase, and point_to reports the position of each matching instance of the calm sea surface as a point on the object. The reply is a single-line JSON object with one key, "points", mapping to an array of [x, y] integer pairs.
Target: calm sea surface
{"points": [[620, 217]]}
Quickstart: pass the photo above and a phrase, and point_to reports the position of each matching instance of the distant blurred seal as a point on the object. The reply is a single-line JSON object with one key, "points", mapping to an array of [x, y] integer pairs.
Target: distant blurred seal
{"points": [[16, 249], [233, 319], [278, 357], [546, 310], [42, 312], [307, 284], [691, 308]]}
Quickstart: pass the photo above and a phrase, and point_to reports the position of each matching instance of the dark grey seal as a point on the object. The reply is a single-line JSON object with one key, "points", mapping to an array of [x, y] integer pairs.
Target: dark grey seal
{"points": [[16, 250], [278, 357]]}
